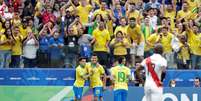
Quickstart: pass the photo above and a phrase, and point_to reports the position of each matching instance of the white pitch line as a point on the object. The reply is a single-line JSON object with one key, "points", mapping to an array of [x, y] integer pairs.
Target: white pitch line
{"points": [[61, 94]]}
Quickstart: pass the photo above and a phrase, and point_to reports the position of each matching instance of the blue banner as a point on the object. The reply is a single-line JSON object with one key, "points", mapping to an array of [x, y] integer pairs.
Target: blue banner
{"points": [[170, 94], [55, 77], [66, 77]]}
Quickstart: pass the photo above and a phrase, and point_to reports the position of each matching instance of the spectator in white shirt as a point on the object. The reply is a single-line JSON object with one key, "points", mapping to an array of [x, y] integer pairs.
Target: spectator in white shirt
{"points": [[30, 47]]}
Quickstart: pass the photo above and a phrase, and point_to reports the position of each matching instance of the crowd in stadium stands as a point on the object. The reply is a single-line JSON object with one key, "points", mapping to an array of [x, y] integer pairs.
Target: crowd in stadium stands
{"points": [[54, 33]]}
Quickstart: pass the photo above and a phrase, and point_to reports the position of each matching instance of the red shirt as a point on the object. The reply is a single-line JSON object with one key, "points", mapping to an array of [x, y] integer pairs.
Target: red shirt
{"points": [[46, 17]]}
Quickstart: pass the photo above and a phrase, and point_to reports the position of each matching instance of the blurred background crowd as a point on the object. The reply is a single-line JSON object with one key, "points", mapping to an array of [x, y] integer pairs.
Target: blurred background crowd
{"points": [[54, 33]]}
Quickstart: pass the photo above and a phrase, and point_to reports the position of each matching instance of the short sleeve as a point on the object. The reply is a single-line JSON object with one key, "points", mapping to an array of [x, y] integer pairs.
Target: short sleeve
{"points": [[51, 41], [89, 37], [101, 70], [164, 63], [143, 63], [128, 71], [108, 35], [94, 33], [112, 71]]}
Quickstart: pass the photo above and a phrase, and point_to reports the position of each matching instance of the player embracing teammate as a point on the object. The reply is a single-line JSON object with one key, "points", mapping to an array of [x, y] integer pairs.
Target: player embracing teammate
{"points": [[154, 67], [96, 75]]}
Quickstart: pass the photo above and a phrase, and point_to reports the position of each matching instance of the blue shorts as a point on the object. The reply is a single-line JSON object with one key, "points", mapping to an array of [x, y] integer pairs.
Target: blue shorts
{"points": [[78, 92], [98, 91], [120, 95]]}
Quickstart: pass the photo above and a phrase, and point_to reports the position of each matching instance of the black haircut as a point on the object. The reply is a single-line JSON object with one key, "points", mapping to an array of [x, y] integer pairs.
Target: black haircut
{"points": [[132, 3], [132, 18], [120, 60], [198, 78], [119, 32], [122, 18], [163, 18], [81, 58], [158, 48], [94, 54]]}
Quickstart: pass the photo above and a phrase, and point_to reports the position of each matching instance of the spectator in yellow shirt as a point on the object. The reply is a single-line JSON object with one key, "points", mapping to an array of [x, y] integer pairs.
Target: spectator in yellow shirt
{"points": [[133, 12], [6, 41], [102, 38], [23, 28], [137, 40], [103, 10], [194, 42], [16, 49], [122, 27], [165, 38], [183, 55], [169, 10], [119, 44], [185, 13], [83, 11], [6, 25]]}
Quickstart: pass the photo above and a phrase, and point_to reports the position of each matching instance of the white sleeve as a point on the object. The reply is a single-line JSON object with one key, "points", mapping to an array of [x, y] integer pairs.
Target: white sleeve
{"points": [[164, 63], [175, 44], [143, 63]]}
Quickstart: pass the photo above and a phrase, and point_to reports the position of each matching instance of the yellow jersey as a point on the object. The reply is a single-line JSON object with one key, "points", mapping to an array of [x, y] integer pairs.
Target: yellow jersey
{"points": [[136, 14], [83, 13], [109, 26], [80, 72], [17, 47], [172, 16], [184, 53], [135, 34], [101, 37], [121, 75], [152, 39], [123, 29], [166, 42], [119, 47], [186, 15], [104, 13], [6, 46], [24, 32], [193, 3], [194, 42], [96, 72]]}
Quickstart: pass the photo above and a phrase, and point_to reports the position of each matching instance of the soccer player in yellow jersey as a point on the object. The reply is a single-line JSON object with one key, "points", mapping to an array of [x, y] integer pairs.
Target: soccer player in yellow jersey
{"points": [[120, 76], [96, 72], [81, 76]]}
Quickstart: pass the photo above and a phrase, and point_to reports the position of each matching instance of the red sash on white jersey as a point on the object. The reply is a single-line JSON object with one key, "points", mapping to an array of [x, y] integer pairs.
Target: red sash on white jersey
{"points": [[152, 72]]}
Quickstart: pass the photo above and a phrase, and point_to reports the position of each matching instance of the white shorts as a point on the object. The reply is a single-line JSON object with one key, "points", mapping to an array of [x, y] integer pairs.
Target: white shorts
{"points": [[153, 93], [137, 49]]}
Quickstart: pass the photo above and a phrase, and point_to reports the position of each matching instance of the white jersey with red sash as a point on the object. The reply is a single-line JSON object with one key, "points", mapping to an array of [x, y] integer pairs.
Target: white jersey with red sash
{"points": [[154, 66]]}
